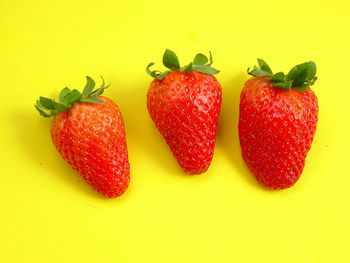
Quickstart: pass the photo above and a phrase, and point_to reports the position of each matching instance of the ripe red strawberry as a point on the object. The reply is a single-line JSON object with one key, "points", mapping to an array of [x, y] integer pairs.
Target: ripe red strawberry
{"points": [[88, 131], [277, 123], [184, 104]]}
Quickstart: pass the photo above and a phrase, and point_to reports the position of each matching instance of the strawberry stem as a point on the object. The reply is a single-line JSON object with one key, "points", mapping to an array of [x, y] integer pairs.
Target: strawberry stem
{"points": [[49, 107], [170, 60], [299, 77]]}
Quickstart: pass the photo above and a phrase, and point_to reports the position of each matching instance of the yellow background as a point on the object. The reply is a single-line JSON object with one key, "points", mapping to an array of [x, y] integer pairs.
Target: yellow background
{"points": [[49, 214]]}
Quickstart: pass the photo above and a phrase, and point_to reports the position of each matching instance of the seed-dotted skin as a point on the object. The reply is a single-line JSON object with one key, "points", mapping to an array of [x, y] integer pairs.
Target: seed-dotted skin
{"points": [[185, 107], [91, 138], [276, 129]]}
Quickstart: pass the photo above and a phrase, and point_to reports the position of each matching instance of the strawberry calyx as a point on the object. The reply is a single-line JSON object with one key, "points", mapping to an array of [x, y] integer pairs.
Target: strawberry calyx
{"points": [[299, 77], [67, 97], [201, 63]]}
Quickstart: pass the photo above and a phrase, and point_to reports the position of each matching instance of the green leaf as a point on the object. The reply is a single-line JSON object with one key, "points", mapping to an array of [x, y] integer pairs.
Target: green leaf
{"points": [[308, 69], [296, 71], [200, 59], [156, 73], [92, 100], [68, 97], [257, 72], [162, 75], [103, 84], [39, 105], [210, 59], [264, 66], [206, 69], [98, 92], [89, 86], [62, 94], [72, 97], [170, 60], [313, 81], [302, 88], [47, 103], [61, 107], [277, 77], [42, 113], [188, 68], [301, 78], [312, 69], [284, 84], [303, 74], [149, 72], [262, 71]]}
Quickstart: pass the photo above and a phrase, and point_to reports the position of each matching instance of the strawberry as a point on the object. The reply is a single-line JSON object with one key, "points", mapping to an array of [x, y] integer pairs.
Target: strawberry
{"points": [[88, 132], [184, 103], [277, 123]]}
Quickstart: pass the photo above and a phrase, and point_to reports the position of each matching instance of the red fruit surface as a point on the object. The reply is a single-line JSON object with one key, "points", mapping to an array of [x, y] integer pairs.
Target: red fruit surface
{"points": [[185, 107], [276, 129], [91, 138]]}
